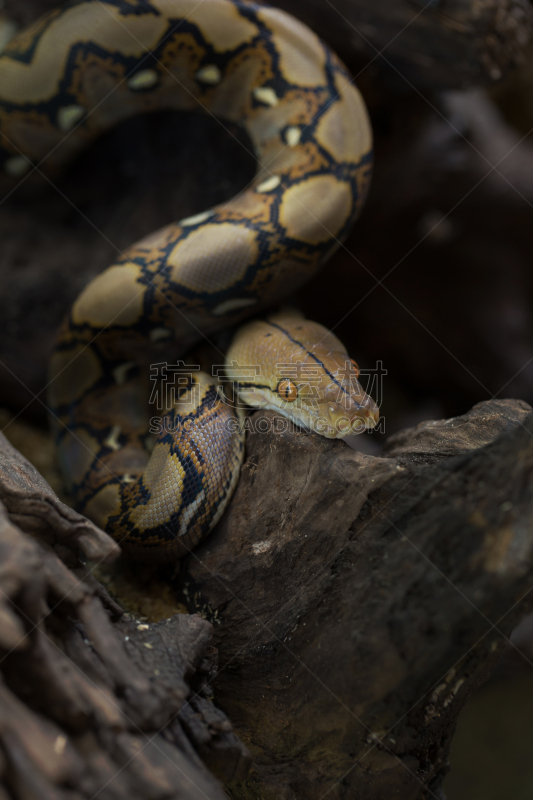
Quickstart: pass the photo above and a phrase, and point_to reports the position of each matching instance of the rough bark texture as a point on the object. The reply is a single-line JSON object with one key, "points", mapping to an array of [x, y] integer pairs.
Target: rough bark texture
{"points": [[357, 601], [90, 706], [361, 599]]}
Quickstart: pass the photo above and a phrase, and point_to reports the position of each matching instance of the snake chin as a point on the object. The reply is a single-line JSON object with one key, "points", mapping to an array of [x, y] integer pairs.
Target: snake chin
{"points": [[338, 423]]}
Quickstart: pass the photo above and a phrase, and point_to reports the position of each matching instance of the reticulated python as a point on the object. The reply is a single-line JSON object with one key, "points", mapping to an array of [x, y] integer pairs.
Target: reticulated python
{"points": [[92, 63]]}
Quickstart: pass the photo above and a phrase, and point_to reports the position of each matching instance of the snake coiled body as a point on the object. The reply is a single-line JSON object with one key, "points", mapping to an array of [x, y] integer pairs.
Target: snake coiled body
{"points": [[79, 71]]}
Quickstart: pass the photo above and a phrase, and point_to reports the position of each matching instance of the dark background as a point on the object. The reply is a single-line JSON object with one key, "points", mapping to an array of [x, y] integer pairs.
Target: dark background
{"points": [[435, 282]]}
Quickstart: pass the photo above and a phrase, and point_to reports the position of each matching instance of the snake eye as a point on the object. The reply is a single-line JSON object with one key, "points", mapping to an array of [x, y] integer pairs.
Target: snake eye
{"points": [[355, 366], [288, 390]]}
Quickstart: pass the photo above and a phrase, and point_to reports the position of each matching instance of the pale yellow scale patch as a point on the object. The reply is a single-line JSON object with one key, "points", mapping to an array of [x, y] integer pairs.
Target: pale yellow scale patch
{"points": [[146, 79], [209, 74], [222, 25], [269, 185], [293, 135], [156, 465], [69, 116], [189, 513], [113, 298], [76, 453], [344, 130], [233, 305], [195, 219], [111, 441], [72, 373], [266, 95], [302, 57], [164, 477], [213, 257], [105, 504], [102, 25], [316, 209]]}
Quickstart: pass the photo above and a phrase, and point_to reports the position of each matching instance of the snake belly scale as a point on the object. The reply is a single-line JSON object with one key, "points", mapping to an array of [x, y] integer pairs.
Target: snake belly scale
{"points": [[79, 71]]}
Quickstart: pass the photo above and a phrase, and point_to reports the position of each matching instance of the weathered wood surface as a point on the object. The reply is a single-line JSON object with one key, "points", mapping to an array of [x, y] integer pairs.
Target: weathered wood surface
{"points": [[357, 597], [358, 601], [92, 703]]}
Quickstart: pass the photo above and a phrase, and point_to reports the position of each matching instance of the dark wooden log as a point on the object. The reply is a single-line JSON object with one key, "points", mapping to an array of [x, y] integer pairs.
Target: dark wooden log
{"points": [[362, 599], [91, 706], [357, 603], [33, 506]]}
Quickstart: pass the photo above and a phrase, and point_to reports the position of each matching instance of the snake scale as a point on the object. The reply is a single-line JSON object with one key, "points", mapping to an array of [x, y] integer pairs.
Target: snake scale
{"points": [[77, 72]]}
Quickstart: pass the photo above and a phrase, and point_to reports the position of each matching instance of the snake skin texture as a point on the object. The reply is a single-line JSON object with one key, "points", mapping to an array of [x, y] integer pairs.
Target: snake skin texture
{"points": [[79, 71]]}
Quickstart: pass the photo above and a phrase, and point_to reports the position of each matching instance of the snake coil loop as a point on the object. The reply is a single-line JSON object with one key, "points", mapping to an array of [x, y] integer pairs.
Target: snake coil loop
{"points": [[77, 72]]}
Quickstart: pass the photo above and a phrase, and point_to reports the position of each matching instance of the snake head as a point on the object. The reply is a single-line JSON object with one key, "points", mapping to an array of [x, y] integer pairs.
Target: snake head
{"points": [[300, 369], [345, 408], [327, 396]]}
